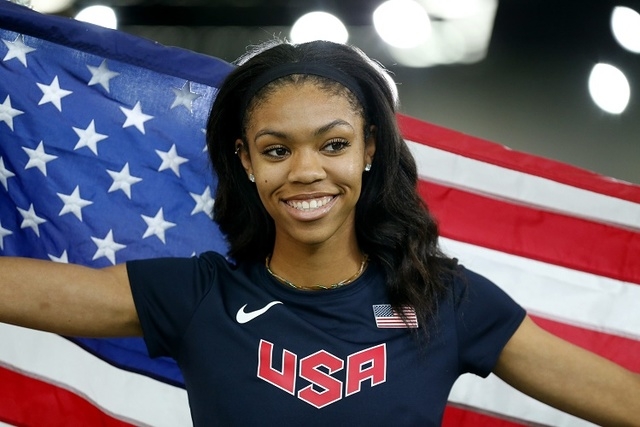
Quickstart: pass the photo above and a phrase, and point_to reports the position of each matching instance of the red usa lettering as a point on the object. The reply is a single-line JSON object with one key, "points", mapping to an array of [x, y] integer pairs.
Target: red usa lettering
{"points": [[366, 365]]}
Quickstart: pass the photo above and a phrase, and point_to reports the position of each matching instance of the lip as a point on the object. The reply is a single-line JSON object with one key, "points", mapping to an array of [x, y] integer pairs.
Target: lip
{"points": [[301, 207]]}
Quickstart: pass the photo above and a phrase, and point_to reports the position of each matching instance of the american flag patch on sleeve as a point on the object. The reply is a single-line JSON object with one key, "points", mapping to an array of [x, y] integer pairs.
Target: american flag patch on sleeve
{"points": [[386, 317]]}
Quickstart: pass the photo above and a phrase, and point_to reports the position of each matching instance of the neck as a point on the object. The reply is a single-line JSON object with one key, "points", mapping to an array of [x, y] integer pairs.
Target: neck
{"points": [[316, 267]]}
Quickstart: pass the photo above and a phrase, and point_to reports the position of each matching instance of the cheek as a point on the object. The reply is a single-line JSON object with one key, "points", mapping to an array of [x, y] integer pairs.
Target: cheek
{"points": [[268, 174], [267, 179], [352, 168], [347, 175], [264, 193], [352, 173]]}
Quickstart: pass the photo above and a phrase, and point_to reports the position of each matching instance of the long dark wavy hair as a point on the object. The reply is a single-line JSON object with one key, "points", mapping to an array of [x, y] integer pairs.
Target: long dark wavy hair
{"points": [[393, 225]]}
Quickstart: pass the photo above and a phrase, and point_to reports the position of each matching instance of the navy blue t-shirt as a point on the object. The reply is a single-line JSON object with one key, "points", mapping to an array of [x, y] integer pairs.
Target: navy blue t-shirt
{"points": [[255, 352]]}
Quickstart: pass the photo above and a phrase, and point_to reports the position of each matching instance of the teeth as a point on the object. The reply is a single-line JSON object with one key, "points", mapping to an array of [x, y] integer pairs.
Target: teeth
{"points": [[309, 204]]}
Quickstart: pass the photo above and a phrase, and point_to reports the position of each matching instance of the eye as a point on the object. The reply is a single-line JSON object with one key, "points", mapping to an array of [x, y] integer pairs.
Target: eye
{"points": [[277, 152], [336, 145]]}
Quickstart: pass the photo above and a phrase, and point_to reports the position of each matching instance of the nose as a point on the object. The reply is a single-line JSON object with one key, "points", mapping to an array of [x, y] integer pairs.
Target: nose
{"points": [[306, 166]]}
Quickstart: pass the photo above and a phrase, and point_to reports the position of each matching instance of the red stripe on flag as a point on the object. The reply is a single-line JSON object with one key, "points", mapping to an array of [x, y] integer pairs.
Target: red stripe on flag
{"points": [[31, 402], [533, 233], [499, 155], [623, 351], [455, 417]]}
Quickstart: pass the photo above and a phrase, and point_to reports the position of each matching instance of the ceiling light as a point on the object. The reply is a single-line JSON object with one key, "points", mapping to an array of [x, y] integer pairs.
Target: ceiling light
{"points": [[609, 88], [319, 26], [402, 23], [49, 6], [99, 15], [625, 25]]}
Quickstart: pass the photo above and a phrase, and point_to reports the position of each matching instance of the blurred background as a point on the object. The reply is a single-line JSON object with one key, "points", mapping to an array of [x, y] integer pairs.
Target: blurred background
{"points": [[559, 79]]}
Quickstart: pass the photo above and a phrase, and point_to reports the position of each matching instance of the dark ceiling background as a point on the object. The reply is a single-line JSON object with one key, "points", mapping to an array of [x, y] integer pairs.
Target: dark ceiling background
{"points": [[529, 93]]}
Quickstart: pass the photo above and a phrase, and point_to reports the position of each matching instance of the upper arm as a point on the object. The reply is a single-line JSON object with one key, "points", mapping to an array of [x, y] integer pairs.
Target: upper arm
{"points": [[123, 303], [103, 303], [67, 299], [569, 378]]}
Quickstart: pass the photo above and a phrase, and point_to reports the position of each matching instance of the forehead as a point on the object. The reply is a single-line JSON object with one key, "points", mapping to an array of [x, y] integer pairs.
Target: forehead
{"points": [[303, 101], [326, 84]]}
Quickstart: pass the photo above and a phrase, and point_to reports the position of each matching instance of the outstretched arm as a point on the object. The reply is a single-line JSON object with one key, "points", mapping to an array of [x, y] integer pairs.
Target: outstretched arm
{"points": [[570, 378], [67, 299]]}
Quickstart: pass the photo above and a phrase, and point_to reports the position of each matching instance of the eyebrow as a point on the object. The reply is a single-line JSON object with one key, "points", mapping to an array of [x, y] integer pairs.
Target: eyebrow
{"points": [[331, 125], [321, 130]]}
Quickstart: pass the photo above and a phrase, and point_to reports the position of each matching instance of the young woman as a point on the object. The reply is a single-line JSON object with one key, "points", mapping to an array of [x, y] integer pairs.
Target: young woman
{"points": [[335, 304]]}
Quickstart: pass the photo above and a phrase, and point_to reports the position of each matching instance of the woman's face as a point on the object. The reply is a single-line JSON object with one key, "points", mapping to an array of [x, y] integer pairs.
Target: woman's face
{"points": [[307, 151]]}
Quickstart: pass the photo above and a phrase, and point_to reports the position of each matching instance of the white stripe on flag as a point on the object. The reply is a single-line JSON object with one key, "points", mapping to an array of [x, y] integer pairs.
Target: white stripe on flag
{"points": [[557, 293], [502, 183], [132, 397], [494, 395]]}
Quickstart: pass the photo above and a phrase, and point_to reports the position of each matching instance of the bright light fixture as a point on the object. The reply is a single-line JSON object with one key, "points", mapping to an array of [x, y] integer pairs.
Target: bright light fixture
{"points": [[49, 6], [319, 26], [402, 23], [609, 88], [454, 9], [99, 15], [457, 36], [625, 24]]}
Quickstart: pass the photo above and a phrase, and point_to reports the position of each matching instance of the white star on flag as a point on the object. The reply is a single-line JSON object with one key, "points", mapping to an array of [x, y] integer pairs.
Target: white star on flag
{"points": [[157, 225], [184, 97], [38, 158], [73, 203], [171, 160], [53, 93], [123, 180], [89, 137], [62, 258], [135, 117], [7, 112], [205, 149], [3, 233], [30, 219], [5, 174], [204, 202], [107, 247], [18, 50], [101, 75]]}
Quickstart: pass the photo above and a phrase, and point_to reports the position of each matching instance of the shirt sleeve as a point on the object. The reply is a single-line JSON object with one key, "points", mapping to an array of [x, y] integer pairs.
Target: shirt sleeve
{"points": [[486, 319], [166, 292]]}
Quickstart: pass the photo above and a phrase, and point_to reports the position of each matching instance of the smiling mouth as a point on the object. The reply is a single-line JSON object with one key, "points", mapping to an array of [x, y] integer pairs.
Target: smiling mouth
{"points": [[310, 204]]}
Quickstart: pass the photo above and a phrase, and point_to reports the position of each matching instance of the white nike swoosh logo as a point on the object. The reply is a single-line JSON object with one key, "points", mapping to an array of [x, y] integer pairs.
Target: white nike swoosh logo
{"points": [[243, 317]]}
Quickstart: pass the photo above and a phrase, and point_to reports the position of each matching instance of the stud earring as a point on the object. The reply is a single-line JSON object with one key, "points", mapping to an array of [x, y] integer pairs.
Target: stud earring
{"points": [[367, 168], [252, 178]]}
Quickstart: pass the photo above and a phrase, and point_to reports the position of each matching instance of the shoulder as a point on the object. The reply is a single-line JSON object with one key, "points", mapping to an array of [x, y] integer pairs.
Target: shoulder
{"points": [[201, 268], [476, 299], [467, 284], [204, 260], [486, 318]]}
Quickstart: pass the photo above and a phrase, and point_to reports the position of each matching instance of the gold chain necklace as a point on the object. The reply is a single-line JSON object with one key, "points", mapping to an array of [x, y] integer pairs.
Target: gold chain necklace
{"points": [[365, 259]]}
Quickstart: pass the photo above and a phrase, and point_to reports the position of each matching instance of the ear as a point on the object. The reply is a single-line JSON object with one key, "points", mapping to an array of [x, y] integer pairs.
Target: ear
{"points": [[243, 153], [370, 145]]}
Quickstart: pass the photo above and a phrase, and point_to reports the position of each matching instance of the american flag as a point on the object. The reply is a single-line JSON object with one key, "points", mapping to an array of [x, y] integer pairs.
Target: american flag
{"points": [[388, 318], [102, 160]]}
